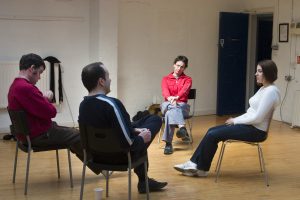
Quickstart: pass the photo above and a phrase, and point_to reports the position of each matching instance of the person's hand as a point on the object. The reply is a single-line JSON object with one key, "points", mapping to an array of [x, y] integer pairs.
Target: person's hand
{"points": [[170, 99], [138, 130], [48, 95], [146, 135], [173, 99], [229, 121], [174, 102]]}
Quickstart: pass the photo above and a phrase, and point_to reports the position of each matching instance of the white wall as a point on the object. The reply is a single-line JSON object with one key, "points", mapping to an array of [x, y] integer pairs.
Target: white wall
{"points": [[104, 37], [76, 32], [153, 32], [48, 28], [137, 41]]}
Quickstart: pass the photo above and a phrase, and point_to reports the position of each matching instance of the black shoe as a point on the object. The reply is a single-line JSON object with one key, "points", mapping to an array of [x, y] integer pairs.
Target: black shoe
{"points": [[182, 133], [153, 185], [168, 149]]}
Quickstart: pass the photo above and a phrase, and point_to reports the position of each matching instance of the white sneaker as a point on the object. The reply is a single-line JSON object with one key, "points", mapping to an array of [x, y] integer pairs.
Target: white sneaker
{"points": [[188, 166], [198, 173]]}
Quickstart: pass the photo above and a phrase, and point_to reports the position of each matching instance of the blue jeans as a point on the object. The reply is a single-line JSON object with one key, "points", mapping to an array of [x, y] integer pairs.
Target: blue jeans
{"points": [[173, 115], [207, 148]]}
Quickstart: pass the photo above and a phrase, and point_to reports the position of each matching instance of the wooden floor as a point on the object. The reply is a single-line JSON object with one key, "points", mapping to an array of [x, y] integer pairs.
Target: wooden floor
{"points": [[240, 175]]}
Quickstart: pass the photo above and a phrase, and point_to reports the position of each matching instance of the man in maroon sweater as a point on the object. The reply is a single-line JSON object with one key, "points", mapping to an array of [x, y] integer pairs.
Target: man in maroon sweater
{"points": [[24, 95]]}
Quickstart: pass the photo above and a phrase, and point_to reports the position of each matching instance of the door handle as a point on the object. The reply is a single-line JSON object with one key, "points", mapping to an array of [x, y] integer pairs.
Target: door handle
{"points": [[222, 43]]}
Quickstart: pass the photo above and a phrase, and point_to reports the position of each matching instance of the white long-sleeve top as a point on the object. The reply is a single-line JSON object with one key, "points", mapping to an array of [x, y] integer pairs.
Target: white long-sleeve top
{"points": [[261, 108]]}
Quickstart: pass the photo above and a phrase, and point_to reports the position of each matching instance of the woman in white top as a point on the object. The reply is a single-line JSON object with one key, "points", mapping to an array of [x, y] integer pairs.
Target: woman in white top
{"points": [[251, 126]]}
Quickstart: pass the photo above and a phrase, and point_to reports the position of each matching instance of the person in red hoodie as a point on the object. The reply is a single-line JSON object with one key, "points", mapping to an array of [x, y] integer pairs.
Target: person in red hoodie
{"points": [[24, 95], [175, 89]]}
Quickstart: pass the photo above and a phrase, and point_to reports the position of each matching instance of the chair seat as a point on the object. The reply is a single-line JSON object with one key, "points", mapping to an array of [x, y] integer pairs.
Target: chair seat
{"points": [[240, 141], [24, 147], [119, 167]]}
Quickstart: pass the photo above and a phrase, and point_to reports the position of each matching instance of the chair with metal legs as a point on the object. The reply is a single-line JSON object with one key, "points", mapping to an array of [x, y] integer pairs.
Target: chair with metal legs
{"points": [[260, 157], [260, 154], [106, 142], [19, 128]]}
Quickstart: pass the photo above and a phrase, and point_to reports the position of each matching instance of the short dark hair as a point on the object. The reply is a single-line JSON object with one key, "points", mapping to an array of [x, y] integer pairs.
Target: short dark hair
{"points": [[90, 75], [269, 70], [30, 59], [184, 59]]}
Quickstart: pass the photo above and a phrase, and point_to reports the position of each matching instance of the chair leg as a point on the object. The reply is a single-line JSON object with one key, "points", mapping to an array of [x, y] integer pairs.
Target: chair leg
{"points": [[263, 165], [107, 182], [82, 180], [220, 161], [190, 124], [129, 181], [259, 158], [57, 163], [27, 171], [146, 179], [160, 134], [16, 162], [219, 156], [70, 168]]}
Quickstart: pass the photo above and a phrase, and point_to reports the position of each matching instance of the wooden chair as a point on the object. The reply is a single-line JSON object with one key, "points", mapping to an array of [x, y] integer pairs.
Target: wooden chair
{"points": [[20, 128], [96, 141], [256, 144]]}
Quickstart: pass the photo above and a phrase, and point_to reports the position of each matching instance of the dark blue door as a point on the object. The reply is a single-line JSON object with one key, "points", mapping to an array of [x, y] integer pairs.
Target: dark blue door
{"points": [[232, 63]]}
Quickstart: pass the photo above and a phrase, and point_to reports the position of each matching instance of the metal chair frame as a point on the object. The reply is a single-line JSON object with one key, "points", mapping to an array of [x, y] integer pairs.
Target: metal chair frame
{"points": [[259, 149], [20, 127], [96, 140], [260, 157]]}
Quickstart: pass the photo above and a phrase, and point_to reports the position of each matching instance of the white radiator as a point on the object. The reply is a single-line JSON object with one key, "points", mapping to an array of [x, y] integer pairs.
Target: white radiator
{"points": [[296, 110], [8, 72]]}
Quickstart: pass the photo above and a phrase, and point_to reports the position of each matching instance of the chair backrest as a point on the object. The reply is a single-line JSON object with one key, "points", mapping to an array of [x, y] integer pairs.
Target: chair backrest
{"points": [[270, 119], [19, 122], [192, 94], [98, 140]]}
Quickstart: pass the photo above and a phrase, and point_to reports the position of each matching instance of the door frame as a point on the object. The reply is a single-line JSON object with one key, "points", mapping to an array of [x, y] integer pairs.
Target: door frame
{"points": [[251, 57]]}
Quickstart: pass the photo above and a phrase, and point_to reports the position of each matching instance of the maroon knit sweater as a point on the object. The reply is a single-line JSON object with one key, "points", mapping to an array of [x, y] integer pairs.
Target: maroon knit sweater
{"points": [[25, 96]]}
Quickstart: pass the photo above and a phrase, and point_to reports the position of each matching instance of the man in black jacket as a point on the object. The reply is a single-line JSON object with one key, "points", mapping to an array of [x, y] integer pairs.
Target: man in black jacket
{"points": [[101, 111]]}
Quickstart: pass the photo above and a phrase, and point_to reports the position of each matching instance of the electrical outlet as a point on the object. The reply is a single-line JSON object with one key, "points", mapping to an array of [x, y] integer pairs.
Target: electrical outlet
{"points": [[275, 47], [288, 78]]}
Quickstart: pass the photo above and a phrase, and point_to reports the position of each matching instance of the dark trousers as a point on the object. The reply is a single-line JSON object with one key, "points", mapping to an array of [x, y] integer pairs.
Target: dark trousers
{"points": [[59, 135], [207, 148], [153, 123]]}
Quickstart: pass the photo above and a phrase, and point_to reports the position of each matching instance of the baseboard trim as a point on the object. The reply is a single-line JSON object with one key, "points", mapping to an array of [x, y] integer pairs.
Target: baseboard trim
{"points": [[205, 112]]}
